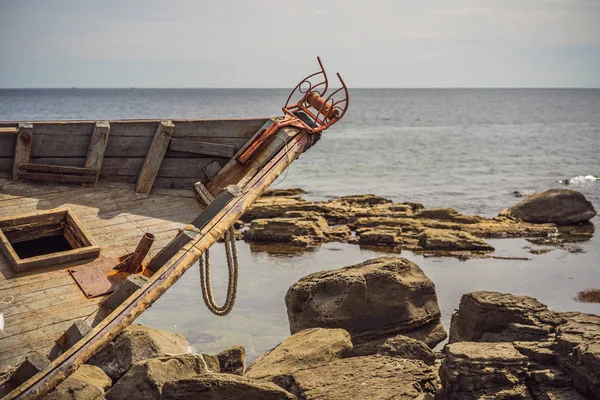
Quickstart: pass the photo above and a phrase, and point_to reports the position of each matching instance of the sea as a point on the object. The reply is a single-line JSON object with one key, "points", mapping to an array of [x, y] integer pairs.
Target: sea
{"points": [[475, 150]]}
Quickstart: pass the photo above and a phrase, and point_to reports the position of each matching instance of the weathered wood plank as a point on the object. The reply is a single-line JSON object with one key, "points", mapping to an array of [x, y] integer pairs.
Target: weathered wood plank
{"points": [[33, 217], [155, 156], [231, 127], [9, 130], [97, 147], [35, 176], [58, 169], [22, 148], [118, 146], [203, 148]]}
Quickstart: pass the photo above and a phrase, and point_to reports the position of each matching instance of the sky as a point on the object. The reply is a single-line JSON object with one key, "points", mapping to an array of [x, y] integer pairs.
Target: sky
{"points": [[274, 43]]}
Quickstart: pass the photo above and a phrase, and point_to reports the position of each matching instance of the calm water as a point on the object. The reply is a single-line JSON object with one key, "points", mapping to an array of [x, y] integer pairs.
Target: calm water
{"points": [[467, 149]]}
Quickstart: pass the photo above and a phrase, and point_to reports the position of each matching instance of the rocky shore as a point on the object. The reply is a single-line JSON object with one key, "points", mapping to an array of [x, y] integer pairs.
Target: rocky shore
{"points": [[286, 219], [368, 331], [370, 337]]}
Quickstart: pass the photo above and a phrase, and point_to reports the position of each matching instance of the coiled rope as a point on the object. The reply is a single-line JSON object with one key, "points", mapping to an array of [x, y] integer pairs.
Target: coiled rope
{"points": [[204, 263]]}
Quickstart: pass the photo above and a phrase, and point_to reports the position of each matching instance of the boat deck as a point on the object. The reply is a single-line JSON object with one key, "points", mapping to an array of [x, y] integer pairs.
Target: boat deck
{"points": [[40, 304]]}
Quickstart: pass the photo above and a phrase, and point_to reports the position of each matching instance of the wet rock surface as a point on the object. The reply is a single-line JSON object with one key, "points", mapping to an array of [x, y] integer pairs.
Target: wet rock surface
{"points": [[368, 377], [558, 206], [373, 300], [137, 343], [307, 348]]}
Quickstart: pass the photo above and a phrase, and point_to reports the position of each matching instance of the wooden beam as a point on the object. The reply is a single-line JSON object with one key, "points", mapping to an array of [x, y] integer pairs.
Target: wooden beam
{"points": [[23, 148], [154, 158], [203, 148], [58, 169], [9, 130], [36, 176], [214, 208], [97, 148]]}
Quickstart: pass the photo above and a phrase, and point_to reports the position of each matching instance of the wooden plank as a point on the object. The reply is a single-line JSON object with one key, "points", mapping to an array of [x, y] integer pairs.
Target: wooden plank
{"points": [[97, 148], [155, 156], [233, 170], [9, 130], [203, 148], [33, 217], [35, 176], [118, 146], [24, 235], [58, 169], [229, 127], [22, 148], [78, 230]]}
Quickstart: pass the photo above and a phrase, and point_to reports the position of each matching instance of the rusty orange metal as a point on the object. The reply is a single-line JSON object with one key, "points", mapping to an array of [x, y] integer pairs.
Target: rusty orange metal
{"points": [[321, 108]]}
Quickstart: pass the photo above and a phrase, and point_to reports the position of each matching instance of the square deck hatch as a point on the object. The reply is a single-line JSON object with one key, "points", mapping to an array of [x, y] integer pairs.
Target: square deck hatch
{"points": [[46, 238]]}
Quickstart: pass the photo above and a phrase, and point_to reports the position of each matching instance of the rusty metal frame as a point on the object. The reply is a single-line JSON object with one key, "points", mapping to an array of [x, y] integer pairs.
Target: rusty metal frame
{"points": [[322, 111]]}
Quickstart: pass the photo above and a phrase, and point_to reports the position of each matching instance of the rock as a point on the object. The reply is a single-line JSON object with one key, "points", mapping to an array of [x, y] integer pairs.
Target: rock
{"points": [[370, 377], [569, 341], [578, 348], [502, 317], [134, 344], [298, 229], [276, 207], [380, 237], [373, 300], [558, 206], [145, 379], [445, 239], [86, 383], [447, 214], [538, 352], [339, 233], [283, 192], [233, 360], [483, 370], [360, 200], [398, 346], [223, 387], [306, 348]]}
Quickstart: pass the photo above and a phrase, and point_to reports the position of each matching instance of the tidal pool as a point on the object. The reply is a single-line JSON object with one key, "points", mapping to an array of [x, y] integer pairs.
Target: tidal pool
{"points": [[259, 320]]}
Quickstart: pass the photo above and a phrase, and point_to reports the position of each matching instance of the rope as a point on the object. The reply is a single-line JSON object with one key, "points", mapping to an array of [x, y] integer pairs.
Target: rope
{"points": [[232, 265]]}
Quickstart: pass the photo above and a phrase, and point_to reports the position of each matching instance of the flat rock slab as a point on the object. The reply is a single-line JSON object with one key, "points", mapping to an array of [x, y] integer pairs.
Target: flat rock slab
{"points": [[370, 377], [223, 387]]}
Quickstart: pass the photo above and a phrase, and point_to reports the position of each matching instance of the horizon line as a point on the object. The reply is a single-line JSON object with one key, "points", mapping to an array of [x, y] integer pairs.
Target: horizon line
{"points": [[284, 88]]}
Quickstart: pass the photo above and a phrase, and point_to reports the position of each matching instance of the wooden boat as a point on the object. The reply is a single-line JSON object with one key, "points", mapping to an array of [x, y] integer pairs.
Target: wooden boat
{"points": [[99, 218]]}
